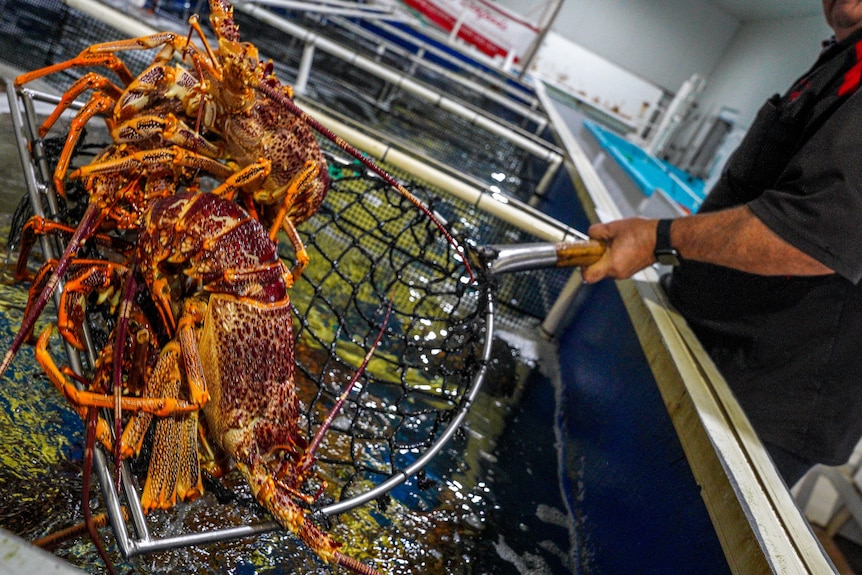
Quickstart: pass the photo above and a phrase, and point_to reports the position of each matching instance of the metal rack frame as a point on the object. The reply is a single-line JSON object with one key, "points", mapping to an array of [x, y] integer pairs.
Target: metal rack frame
{"points": [[22, 110]]}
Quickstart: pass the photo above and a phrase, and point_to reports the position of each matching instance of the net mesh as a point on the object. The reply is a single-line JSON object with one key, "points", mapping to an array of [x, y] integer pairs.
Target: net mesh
{"points": [[367, 245]]}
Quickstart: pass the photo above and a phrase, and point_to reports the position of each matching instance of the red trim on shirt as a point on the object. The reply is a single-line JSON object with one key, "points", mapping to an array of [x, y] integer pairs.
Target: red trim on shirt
{"points": [[853, 75]]}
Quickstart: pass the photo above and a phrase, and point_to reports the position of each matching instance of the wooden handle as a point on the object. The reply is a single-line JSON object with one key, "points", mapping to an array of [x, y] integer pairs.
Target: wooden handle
{"points": [[579, 253]]}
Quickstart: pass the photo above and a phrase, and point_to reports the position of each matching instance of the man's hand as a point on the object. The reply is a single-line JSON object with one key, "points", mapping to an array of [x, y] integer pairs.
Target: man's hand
{"points": [[629, 246]]}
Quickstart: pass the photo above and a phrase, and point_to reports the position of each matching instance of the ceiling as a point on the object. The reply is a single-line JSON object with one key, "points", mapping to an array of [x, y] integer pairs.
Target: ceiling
{"points": [[769, 9]]}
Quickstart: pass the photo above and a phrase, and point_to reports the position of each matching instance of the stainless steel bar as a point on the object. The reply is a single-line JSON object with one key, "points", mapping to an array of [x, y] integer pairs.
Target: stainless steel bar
{"points": [[35, 189]]}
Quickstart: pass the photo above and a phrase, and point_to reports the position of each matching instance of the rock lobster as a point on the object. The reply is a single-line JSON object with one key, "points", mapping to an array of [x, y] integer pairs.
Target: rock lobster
{"points": [[245, 123], [221, 295], [193, 110]]}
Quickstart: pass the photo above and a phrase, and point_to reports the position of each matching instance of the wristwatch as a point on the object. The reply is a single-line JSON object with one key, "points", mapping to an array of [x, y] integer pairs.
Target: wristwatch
{"points": [[665, 253]]}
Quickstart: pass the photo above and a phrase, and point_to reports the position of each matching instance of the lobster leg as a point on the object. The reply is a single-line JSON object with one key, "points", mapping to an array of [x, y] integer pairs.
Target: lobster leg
{"points": [[103, 55], [193, 315], [102, 430], [91, 57], [169, 128], [85, 277], [89, 81], [160, 406], [251, 175], [305, 179], [154, 159], [97, 104], [38, 226], [234, 181]]}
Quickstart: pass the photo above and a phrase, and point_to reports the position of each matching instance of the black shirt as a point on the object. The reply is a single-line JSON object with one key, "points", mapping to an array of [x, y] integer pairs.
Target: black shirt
{"points": [[791, 347]]}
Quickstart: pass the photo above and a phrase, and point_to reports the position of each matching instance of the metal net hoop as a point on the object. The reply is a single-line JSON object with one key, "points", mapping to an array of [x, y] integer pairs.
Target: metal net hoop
{"points": [[367, 245]]}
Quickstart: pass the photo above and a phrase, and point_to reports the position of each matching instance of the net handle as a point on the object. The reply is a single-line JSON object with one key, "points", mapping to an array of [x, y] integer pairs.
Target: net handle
{"points": [[581, 253], [519, 257]]}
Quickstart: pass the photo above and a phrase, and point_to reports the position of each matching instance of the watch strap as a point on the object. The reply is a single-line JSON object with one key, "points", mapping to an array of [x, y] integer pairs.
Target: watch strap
{"points": [[664, 252], [662, 235]]}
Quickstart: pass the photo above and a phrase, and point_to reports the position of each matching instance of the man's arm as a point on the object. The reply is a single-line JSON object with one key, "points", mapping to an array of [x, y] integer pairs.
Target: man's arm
{"points": [[733, 238]]}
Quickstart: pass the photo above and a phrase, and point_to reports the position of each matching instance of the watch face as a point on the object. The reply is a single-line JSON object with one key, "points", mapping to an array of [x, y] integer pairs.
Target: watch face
{"points": [[668, 257]]}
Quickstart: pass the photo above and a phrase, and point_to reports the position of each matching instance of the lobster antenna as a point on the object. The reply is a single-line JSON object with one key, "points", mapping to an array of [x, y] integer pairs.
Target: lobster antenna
{"points": [[277, 95], [87, 224], [117, 375], [330, 417]]}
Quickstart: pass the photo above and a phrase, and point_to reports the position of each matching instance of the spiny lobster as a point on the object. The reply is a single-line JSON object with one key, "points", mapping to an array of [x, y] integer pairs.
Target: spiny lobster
{"points": [[245, 121], [247, 133], [221, 295], [122, 182]]}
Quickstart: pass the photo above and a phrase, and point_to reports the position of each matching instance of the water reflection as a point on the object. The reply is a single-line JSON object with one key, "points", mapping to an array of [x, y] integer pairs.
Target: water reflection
{"points": [[457, 517]]}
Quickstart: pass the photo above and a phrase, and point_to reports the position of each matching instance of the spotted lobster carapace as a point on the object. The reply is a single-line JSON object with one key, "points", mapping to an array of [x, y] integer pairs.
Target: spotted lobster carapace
{"points": [[220, 291]]}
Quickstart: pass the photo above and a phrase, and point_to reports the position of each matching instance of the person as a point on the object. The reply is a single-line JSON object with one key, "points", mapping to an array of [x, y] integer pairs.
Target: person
{"points": [[769, 268]]}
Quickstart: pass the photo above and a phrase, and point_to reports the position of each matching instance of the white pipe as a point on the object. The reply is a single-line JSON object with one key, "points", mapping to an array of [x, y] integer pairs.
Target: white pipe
{"points": [[562, 306], [543, 185], [550, 14], [304, 71], [688, 92], [356, 10], [507, 209], [126, 24], [418, 59], [465, 8], [510, 59], [399, 80]]}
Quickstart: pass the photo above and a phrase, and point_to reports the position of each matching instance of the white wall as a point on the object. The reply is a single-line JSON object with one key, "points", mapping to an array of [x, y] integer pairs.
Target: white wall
{"points": [[662, 41], [763, 58], [665, 42], [595, 80]]}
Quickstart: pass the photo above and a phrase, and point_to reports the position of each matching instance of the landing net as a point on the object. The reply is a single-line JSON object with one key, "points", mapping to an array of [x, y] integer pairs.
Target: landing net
{"points": [[368, 246]]}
